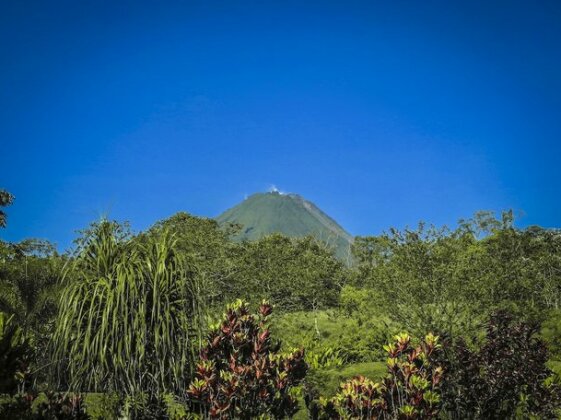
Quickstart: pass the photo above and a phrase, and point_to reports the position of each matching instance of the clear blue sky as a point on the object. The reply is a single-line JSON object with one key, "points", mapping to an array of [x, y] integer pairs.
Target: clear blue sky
{"points": [[382, 113]]}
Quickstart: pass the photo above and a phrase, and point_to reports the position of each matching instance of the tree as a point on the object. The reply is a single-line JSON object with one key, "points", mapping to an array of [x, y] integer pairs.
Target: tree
{"points": [[421, 277], [208, 247], [130, 318], [6, 199], [293, 273], [450, 280], [29, 292], [29, 283]]}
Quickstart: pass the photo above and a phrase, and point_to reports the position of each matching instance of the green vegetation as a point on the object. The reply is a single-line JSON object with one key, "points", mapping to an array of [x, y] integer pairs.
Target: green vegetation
{"points": [[351, 339], [411, 389], [131, 325], [326, 382], [131, 317], [6, 199], [14, 355], [450, 280], [293, 273]]}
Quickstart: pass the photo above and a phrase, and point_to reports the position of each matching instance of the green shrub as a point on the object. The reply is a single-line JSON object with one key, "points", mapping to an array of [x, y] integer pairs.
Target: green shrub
{"points": [[551, 333], [102, 406], [175, 409], [325, 358], [555, 366], [15, 406], [355, 339], [14, 356], [325, 382]]}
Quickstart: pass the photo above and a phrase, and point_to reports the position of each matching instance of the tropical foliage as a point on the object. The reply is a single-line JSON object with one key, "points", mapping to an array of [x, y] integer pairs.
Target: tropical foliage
{"points": [[504, 378], [410, 390], [29, 282], [6, 199], [292, 273], [14, 356], [241, 373], [118, 326], [131, 316], [450, 280]]}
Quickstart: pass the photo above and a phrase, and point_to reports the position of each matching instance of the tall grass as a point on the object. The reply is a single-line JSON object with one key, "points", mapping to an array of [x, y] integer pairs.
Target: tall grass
{"points": [[130, 316]]}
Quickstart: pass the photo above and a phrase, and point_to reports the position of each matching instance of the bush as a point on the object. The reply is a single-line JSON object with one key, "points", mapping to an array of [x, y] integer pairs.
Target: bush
{"points": [[14, 356], [15, 407], [45, 406], [102, 406], [411, 388], [241, 374], [326, 382], [129, 321], [551, 333], [355, 339], [505, 378]]}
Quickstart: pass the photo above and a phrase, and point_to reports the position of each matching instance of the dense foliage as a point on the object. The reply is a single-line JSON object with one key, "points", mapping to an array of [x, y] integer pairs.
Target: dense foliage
{"points": [[29, 282], [14, 356], [209, 250], [450, 280], [241, 373], [410, 390], [130, 316], [49, 406], [294, 274], [505, 377], [122, 319], [332, 335]]}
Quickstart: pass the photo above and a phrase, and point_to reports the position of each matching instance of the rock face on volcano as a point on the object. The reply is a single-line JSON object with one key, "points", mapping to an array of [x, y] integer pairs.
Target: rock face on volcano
{"points": [[290, 214]]}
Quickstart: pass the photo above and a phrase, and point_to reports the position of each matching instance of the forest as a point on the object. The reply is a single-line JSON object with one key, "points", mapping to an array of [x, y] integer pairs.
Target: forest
{"points": [[180, 322]]}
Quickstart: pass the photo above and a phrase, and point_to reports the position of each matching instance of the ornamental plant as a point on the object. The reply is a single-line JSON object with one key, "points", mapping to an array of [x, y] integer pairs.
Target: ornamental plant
{"points": [[241, 373], [505, 378], [410, 390]]}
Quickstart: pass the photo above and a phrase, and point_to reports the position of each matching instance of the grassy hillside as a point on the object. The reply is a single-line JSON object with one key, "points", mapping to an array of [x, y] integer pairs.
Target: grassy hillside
{"points": [[265, 213]]}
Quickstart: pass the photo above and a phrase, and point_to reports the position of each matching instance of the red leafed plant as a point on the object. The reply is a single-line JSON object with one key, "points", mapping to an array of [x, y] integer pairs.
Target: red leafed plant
{"points": [[410, 390], [241, 373]]}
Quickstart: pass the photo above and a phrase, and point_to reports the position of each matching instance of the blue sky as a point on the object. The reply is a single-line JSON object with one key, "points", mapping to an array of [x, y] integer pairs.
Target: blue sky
{"points": [[382, 113]]}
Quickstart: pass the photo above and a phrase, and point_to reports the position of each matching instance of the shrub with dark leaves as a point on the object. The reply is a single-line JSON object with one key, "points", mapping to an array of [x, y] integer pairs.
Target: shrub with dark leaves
{"points": [[62, 406], [241, 373], [49, 406], [506, 377]]}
